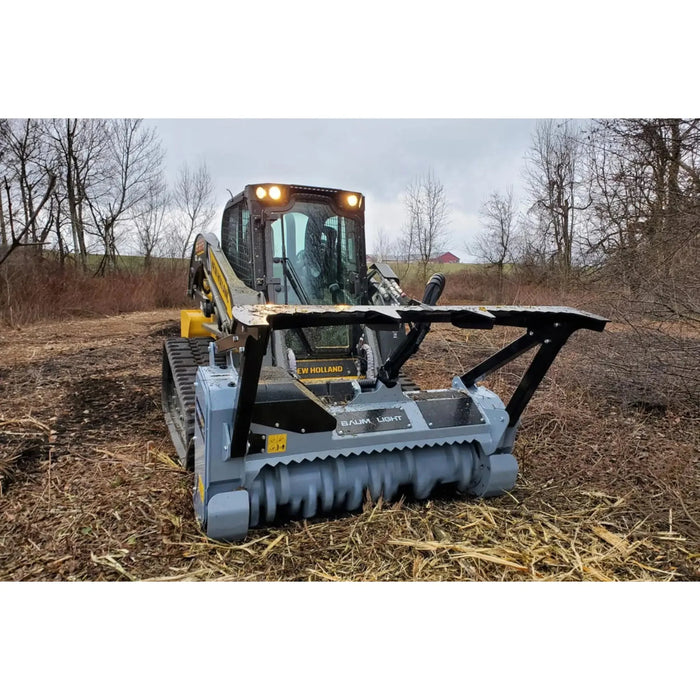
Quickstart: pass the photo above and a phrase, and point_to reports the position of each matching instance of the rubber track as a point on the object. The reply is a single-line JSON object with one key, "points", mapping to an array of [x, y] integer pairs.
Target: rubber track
{"points": [[184, 355]]}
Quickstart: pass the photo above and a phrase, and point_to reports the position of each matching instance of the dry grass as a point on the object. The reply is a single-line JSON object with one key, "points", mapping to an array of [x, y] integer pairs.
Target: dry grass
{"points": [[605, 492], [479, 285], [443, 540], [37, 290]]}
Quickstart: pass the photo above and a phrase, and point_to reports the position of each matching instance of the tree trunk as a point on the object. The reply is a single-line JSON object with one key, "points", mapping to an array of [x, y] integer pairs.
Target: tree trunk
{"points": [[74, 206], [61, 246], [3, 231]]}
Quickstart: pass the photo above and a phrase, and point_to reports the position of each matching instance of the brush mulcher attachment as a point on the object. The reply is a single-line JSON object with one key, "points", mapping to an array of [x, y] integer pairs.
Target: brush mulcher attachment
{"points": [[289, 407], [269, 446]]}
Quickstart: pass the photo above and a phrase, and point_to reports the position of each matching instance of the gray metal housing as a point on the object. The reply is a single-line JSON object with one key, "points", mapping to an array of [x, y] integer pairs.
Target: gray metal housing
{"points": [[319, 472]]}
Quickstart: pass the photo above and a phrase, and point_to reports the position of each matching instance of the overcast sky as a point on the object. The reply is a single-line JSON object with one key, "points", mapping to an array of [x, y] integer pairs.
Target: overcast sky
{"points": [[322, 60], [378, 157]]}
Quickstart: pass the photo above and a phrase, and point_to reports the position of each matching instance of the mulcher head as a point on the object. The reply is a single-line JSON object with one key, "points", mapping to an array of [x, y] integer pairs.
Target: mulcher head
{"points": [[269, 446]]}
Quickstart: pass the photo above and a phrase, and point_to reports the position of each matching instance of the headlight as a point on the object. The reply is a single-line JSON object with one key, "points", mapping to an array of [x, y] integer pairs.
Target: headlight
{"points": [[350, 200], [270, 192]]}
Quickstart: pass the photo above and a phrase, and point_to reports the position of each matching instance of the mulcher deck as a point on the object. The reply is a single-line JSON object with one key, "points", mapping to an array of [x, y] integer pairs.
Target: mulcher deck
{"points": [[181, 358]]}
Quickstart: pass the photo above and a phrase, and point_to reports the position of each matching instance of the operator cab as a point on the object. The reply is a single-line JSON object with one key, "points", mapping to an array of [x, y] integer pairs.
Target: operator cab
{"points": [[302, 245], [296, 244]]}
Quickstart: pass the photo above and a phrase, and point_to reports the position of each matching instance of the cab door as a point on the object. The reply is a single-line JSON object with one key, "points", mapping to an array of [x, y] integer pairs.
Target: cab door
{"points": [[237, 243]]}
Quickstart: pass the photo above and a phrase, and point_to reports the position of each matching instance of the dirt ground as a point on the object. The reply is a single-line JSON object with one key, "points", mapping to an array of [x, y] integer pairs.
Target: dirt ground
{"points": [[90, 487]]}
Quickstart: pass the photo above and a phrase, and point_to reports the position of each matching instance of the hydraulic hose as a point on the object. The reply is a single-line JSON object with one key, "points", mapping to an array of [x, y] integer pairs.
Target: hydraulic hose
{"points": [[389, 372], [434, 289]]}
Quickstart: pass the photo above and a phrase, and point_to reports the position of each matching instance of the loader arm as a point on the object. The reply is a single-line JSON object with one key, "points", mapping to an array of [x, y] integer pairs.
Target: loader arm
{"points": [[213, 283]]}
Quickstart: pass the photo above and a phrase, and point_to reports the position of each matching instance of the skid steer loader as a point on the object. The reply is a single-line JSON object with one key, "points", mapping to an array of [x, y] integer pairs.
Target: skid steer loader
{"points": [[285, 392]]}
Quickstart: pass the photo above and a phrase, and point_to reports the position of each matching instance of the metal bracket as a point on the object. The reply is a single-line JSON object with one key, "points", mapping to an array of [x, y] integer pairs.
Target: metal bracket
{"points": [[237, 341], [252, 343], [548, 327]]}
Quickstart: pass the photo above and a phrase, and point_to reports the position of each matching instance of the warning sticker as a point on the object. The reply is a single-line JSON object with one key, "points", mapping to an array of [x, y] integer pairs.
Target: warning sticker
{"points": [[277, 443]]}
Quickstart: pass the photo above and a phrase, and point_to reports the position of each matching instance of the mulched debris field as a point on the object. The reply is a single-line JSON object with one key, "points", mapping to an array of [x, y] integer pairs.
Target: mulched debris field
{"points": [[90, 486]]}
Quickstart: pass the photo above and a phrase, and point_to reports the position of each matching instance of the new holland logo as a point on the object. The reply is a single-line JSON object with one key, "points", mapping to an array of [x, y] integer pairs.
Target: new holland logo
{"points": [[326, 368]]}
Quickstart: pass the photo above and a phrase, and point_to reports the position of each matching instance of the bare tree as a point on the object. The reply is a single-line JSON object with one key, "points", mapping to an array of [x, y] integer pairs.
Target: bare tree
{"points": [[81, 146], [194, 199], [425, 232], [646, 210], [645, 234], [20, 233], [3, 176], [150, 220], [60, 226], [28, 180], [496, 243], [554, 179], [384, 248], [134, 160]]}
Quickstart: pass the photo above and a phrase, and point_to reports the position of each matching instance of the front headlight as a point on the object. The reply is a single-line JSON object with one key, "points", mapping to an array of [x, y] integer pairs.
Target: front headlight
{"points": [[351, 200], [268, 193]]}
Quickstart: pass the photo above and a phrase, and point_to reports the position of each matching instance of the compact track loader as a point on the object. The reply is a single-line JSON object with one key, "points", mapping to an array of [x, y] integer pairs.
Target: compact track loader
{"points": [[286, 393]]}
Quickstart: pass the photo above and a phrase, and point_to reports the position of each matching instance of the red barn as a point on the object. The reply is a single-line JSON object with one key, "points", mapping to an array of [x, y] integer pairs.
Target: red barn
{"points": [[447, 258]]}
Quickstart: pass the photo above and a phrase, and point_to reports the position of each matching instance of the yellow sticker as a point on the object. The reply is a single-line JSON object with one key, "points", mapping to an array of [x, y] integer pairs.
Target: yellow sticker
{"points": [[201, 489], [277, 443]]}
